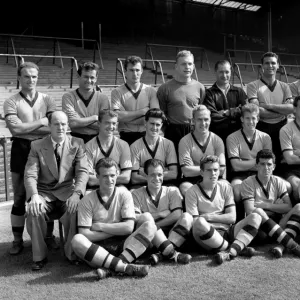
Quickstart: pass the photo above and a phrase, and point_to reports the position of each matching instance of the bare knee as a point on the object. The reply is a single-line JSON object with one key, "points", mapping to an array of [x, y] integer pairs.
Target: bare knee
{"points": [[186, 220], [145, 217], [78, 240], [296, 209], [200, 226], [149, 228], [255, 219], [262, 213]]}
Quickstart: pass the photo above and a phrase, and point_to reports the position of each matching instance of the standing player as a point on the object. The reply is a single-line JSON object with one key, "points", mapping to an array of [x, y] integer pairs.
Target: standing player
{"points": [[26, 117], [108, 145], [165, 206], [295, 88], [266, 195], [197, 144], [290, 146], [106, 220], [132, 100], [152, 145], [224, 100], [84, 104], [274, 99], [242, 148], [211, 204], [179, 96]]}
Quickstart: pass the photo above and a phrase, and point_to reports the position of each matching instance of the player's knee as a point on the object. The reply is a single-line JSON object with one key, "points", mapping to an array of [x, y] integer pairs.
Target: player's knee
{"points": [[186, 220], [77, 240], [255, 219], [237, 192], [145, 217], [262, 213], [148, 229], [200, 226], [289, 187]]}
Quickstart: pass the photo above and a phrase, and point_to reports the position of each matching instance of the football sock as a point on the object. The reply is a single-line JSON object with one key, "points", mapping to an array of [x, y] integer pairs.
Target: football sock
{"points": [[214, 240]]}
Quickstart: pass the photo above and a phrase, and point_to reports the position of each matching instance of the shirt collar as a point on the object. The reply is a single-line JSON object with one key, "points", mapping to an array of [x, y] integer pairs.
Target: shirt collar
{"points": [[54, 143], [224, 91]]}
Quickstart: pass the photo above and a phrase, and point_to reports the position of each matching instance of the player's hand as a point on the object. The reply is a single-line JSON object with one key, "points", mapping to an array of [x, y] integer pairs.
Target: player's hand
{"points": [[235, 112], [163, 214], [142, 172], [72, 203], [207, 217], [145, 109], [37, 205], [44, 121], [261, 204]]}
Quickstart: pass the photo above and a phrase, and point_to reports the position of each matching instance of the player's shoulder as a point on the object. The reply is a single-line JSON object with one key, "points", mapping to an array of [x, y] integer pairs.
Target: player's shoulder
{"points": [[215, 138], [224, 185], [235, 135], [121, 142], [74, 141], [69, 94], [186, 139], [290, 126], [254, 84], [170, 190], [250, 180], [13, 99], [283, 84], [139, 192], [122, 192], [91, 143], [119, 89], [197, 83], [277, 179], [138, 144]]}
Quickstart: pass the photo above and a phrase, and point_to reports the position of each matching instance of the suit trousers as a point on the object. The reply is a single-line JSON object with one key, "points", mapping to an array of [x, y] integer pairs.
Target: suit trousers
{"points": [[37, 227]]}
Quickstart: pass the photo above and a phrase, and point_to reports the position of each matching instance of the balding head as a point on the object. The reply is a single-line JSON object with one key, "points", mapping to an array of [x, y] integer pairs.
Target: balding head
{"points": [[58, 123]]}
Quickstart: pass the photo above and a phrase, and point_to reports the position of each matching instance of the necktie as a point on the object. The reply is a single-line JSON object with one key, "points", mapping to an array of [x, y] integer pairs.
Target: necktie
{"points": [[57, 153]]}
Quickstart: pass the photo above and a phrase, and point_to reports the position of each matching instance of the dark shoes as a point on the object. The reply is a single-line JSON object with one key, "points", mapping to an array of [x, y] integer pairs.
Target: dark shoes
{"points": [[51, 243], [38, 265], [16, 248]]}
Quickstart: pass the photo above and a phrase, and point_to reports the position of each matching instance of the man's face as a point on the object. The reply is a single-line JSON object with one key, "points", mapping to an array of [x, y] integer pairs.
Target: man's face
{"points": [[153, 126], [211, 172], [202, 121], [87, 80], [265, 167], [58, 126], [133, 73], [184, 66], [108, 177], [250, 121], [155, 177], [28, 78], [223, 74], [108, 125], [270, 66]]}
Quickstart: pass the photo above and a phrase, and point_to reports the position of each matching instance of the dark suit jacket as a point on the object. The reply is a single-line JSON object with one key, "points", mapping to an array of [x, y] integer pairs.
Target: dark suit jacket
{"points": [[42, 175]]}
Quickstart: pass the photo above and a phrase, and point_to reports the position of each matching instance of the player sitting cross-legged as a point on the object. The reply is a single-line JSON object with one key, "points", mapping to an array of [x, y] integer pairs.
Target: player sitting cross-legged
{"points": [[211, 204], [106, 220], [266, 195], [164, 205]]}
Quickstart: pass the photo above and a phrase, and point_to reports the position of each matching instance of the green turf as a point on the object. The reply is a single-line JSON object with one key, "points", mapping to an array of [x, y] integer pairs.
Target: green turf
{"points": [[260, 277]]}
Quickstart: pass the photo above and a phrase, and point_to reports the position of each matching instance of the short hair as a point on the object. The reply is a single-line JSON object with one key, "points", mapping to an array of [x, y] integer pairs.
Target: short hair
{"points": [[50, 115], [200, 107], [221, 63], [268, 54], [108, 113], [184, 53], [105, 163], [265, 154], [295, 103], [153, 162], [208, 159], [132, 60], [155, 113], [87, 66], [250, 108], [27, 64]]}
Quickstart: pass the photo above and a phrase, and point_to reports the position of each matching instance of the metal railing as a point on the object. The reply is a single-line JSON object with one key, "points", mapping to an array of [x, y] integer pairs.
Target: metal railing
{"points": [[149, 53], [158, 69], [19, 58], [237, 72], [10, 37]]}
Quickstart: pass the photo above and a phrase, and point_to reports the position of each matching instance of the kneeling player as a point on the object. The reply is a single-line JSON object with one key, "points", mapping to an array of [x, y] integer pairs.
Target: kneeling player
{"points": [[106, 221], [266, 195], [164, 205], [211, 204]]}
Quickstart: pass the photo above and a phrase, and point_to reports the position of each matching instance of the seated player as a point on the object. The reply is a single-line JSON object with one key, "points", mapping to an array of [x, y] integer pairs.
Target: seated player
{"points": [[165, 206], [211, 204], [106, 239], [55, 178], [242, 147], [290, 146], [266, 195], [153, 146], [108, 145], [197, 144]]}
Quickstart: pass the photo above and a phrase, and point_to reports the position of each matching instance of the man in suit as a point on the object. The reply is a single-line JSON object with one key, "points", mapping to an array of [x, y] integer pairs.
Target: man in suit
{"points": [[55, 179]]}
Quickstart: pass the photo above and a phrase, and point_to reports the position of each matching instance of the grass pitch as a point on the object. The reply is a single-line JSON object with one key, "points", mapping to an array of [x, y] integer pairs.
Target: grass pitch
{"points": [[260, 277]]}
